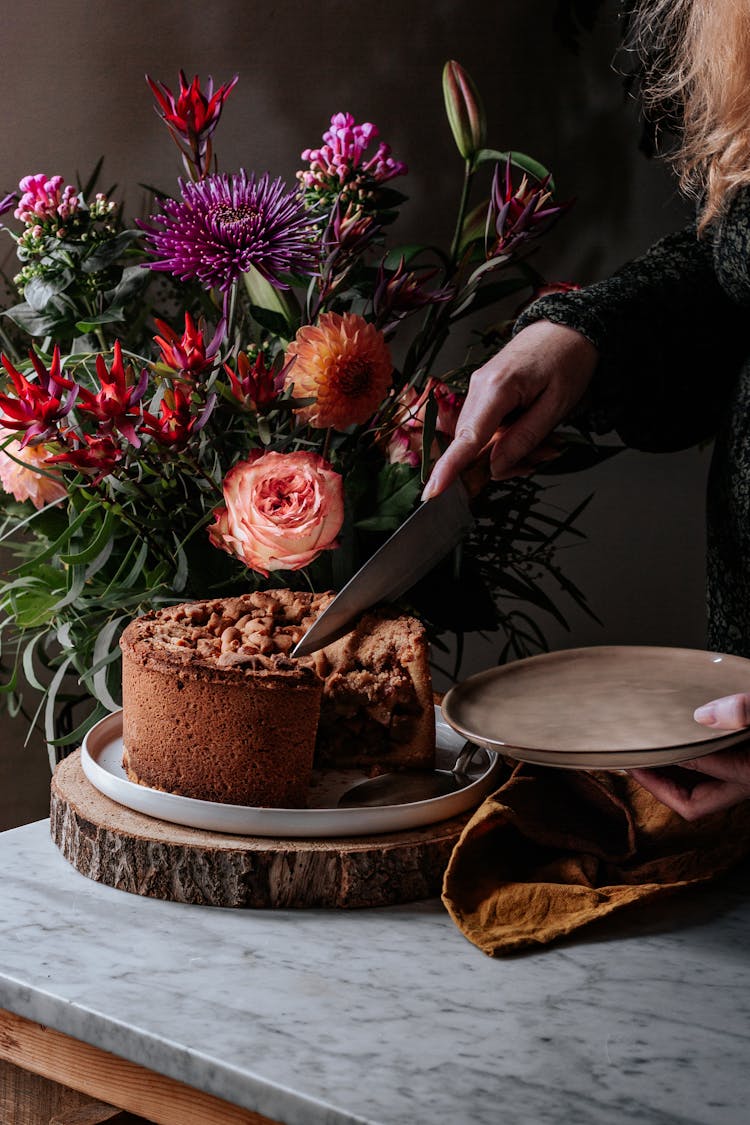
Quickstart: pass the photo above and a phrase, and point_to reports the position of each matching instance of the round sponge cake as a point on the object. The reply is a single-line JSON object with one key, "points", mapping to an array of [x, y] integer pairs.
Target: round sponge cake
{"points": [[213, 705]]}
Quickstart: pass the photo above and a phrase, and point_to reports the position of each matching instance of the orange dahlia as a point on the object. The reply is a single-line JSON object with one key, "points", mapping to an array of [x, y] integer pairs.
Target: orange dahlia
{"points": [[344, 364]]}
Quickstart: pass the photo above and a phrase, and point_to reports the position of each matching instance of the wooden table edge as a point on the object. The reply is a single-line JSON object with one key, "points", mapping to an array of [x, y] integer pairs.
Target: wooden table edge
{"points": [[100, 1074]]}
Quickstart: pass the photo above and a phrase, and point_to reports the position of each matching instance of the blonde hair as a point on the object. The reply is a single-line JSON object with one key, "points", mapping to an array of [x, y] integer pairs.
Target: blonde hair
{"points": [[695, 58]]}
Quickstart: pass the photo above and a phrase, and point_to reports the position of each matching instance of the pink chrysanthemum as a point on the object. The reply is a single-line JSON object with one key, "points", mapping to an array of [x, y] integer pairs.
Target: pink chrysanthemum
{"points": [[225, 225]]}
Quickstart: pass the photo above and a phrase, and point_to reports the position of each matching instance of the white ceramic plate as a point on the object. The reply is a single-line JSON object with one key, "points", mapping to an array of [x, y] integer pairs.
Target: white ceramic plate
{"points": [[603, 707], [101, 758]]}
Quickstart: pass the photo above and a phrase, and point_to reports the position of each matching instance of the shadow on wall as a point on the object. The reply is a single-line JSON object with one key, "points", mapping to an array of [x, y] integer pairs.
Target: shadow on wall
{"points": [[642, 564]]}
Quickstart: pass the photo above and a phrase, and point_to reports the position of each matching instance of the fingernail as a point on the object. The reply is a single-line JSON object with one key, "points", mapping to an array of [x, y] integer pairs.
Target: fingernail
{"points": [[705, 714], [429, 489]]}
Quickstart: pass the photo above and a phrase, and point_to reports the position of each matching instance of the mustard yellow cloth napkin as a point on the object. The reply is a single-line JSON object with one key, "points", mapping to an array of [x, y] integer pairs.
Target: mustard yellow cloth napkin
{"points": [[553, 850]]}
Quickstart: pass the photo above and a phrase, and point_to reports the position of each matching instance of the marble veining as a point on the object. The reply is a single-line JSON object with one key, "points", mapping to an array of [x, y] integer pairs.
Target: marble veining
{"points": [[389, 1016]]}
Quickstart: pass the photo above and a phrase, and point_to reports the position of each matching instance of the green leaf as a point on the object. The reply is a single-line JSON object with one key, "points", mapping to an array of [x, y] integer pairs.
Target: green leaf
{"points": [[40, 291], [27, 663], [49, 710], [109, 316], [105, 653], [87, 188], [392, 259], [33, 322], [131, 285], [88, 554], [481, 298], [518, 160], [179, 581], [397, 488], [274, 322], [105, 253], [31, 567]]}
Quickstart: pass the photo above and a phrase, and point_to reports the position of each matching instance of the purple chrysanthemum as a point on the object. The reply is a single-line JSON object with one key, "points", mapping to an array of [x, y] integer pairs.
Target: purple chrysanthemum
{"points": [[224, 224]]}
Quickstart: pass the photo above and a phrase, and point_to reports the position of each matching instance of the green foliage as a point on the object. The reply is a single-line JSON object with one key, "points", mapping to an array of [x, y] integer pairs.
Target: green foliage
{"points": [[142, 439]]}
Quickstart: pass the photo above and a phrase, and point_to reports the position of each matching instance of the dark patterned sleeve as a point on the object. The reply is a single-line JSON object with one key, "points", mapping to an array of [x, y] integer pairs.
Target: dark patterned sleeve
{"points": [[669, 339]]}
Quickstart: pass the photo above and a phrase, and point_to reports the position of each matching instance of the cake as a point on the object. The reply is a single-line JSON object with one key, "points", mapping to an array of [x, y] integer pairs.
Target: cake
{"points": [[215, 707], [377, 703]]}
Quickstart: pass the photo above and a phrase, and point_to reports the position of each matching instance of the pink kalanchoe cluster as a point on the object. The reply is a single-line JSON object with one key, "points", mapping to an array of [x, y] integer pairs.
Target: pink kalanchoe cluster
{"points": [[342, 160], [43, 199]]}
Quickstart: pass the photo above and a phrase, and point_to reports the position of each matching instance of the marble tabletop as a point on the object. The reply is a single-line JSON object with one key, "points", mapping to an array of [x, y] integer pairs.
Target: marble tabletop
{"points": [[389, 1016]]}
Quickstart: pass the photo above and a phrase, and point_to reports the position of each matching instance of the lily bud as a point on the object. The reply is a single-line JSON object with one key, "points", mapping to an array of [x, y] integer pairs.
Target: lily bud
{"points": [[465, 110]]}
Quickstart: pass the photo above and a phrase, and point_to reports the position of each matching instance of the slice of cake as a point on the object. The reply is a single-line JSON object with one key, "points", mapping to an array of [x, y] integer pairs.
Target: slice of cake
{"points": [[214, 706], [377, 707]]}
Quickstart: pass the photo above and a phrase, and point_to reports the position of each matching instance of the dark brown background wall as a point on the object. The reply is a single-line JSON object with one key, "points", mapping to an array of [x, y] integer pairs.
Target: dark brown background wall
{"points": [[73, 88]]}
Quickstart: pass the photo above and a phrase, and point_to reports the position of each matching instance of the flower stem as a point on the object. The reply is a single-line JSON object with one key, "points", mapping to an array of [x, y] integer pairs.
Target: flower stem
{"points": [[462, 205]]}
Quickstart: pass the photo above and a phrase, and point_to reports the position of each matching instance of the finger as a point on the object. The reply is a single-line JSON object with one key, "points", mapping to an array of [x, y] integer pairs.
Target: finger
{"points": [[549, 450], [526, 434], [731, 712], [727, 765], [690, 802], [457, 457], [487, 403]]}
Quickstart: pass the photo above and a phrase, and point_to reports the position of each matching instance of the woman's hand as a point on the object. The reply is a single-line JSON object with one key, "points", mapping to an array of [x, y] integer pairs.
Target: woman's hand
{"points": [[537, 378], [715, 781]]}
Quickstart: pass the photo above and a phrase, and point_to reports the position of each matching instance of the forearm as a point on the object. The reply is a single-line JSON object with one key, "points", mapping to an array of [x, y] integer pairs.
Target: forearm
{"points": [[668, 338]]}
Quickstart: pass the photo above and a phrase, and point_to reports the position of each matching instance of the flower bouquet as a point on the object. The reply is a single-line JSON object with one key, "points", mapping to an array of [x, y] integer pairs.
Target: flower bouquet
{"points": [[247, 389]]}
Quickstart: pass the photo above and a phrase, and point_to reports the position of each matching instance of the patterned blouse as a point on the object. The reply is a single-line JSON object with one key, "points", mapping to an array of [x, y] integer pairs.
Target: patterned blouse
{"points": [[673, 332]]}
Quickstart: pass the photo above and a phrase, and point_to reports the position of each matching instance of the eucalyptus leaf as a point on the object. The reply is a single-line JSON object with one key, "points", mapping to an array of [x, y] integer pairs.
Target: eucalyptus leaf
{"points": [[104, 647], [96, 544], [27, 663], [49, 708]]}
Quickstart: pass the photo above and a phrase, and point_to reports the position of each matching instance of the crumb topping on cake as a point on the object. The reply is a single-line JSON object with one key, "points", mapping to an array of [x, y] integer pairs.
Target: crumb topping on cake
{"points": [[255, 631]]}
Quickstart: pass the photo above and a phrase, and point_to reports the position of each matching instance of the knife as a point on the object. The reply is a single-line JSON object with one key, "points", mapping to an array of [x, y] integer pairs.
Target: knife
{"points": [[427, 536]]}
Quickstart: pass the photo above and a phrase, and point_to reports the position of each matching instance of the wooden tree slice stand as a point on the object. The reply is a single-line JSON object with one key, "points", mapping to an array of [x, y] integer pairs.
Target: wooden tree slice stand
{"points": [[132, 852]]}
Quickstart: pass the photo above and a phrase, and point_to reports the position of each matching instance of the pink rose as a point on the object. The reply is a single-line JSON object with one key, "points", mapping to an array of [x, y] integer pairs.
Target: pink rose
{"points": [[24, 481], [282, 510], [405, 442]]}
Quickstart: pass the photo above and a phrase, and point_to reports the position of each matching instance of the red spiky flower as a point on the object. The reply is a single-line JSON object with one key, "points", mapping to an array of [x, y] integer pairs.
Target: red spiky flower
{"points": [[177, 422], [116, 405], [191, 117], [95, 453], [38, 406], [188, 354], [256, 385]]}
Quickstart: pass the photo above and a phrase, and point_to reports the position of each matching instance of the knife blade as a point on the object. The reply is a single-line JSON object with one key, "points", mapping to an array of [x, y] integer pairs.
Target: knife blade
{"points": [[422, 540]]}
